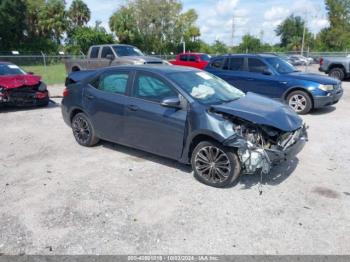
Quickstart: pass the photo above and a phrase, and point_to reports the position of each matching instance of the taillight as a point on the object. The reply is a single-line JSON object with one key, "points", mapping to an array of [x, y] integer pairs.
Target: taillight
{"points": [[65, 92], [321, 61]]}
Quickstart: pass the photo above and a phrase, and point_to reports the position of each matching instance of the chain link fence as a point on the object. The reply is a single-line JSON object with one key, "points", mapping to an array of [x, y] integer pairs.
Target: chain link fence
{"points": [[51, 66]]}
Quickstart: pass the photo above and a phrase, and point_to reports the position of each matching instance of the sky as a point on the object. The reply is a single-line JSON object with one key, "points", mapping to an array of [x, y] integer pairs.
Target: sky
{"points": [[256, 17]]}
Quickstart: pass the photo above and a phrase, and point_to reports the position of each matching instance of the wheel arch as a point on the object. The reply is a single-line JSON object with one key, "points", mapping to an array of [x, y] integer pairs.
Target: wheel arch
{"points": [[298, 88], [75, 68], [200, 137], [337, 65], [74, 112]]}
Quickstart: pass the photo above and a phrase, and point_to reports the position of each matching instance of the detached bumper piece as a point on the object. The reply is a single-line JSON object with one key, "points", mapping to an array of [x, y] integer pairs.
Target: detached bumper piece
{"points": [[295, 145], [24, 96], [255, 159]]}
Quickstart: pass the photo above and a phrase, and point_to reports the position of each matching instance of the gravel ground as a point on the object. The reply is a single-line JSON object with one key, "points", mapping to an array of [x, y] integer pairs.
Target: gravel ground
{"points": [[60, 198]]}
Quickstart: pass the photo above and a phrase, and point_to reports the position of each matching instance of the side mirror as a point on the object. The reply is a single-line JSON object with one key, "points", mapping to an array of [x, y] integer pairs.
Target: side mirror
{"points": [[172, 102], [30, 73], [110, 57], [267, 72]]}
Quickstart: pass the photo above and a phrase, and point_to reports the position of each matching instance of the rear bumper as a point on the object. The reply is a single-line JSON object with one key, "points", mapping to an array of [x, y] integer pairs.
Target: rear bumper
{"points": [[322, 101], [65, 114]]}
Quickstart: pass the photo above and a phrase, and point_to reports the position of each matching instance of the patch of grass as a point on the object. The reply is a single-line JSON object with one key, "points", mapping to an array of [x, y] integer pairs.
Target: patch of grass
{"points": [[51, 74]]}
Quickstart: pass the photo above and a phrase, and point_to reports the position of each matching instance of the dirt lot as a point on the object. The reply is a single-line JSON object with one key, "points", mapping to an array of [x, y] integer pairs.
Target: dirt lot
{"points": [[60, 198]]}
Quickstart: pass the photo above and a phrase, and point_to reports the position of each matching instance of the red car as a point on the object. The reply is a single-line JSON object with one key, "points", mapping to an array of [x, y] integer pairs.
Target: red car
{"points": [[197, 60], [18, 88]]}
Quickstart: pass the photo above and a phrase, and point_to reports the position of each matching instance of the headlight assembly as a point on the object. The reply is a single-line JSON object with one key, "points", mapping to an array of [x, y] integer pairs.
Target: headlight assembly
{"points": [[42, 86], [326, 87]]}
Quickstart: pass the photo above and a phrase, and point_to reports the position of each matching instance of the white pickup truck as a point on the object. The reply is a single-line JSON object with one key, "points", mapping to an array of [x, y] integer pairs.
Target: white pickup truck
{"points": [[111, 55]]}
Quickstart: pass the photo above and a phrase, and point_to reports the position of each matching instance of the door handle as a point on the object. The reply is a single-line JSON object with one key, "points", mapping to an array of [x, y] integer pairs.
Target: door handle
{"points": [[89, 96], [250, 79], [133, 107]]}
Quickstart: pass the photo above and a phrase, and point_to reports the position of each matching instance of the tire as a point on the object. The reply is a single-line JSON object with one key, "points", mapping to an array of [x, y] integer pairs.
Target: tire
{"points": [[206, 168], [337, 73], [300, 102], [83, 130]]}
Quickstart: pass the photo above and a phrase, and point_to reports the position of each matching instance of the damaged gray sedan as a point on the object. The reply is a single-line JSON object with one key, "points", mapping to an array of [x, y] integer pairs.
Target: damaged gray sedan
{"points": [[184, 114]]}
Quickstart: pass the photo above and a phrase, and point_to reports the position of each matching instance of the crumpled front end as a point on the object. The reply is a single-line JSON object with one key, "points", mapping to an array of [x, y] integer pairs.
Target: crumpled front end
{"points": [[260, 147], [35, 95]]}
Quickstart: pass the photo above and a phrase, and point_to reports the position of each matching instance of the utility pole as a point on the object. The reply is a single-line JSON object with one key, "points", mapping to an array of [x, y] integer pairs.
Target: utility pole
{"points": [[233, 28], [303, 41]]}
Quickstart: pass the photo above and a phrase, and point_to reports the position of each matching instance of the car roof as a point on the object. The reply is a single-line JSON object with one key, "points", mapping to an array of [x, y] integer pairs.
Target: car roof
{"points": [[160, 69], [192, 53], [247, 55], [112, 45]]}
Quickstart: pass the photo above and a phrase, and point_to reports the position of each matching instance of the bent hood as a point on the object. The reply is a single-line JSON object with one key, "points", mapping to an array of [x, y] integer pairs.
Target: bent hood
{"points": [[325, 80], [15, 81], [263, 111]]}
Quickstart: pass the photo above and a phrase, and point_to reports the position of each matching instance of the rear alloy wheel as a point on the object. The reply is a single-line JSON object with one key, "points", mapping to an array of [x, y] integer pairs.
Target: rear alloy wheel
{"points": [[337, 73], [300, 102], [215, 165], [83, 131]]}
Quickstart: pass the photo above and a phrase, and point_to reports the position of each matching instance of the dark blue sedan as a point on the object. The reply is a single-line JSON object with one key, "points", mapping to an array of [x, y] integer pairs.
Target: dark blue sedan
{"points": [[272, 76], [184, 114]]}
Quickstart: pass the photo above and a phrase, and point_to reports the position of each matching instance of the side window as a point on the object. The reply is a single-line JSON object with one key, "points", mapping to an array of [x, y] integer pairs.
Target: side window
{"points": [[113, 83], [217, 63], [183, 57], [192, 58], [106, 51], [236, 64], [94, 52], [152, 88], [256, 65]]}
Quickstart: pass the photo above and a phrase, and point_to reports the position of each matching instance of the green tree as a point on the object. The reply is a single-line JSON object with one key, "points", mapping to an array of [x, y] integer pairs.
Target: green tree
{"points": [[155, 25], [83, 37], [122, 22], [219, 47], [79, 13], [12, 25], [53, 20], [250, 44], [291, 31], [336, 37]]}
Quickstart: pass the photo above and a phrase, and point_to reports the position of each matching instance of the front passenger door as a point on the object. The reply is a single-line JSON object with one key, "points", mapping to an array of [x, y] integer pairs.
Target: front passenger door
{"points": [[151, 126]]}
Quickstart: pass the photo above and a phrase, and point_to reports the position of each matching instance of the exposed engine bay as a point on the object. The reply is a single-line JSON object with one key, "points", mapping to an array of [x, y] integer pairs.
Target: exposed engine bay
{"points": [[262, 146]]}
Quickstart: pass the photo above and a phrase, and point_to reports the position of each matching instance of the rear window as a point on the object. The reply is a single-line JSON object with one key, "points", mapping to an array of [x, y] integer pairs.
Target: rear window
{"points": [[94, 52], [192, 58], [236, 63], [183, 57]]}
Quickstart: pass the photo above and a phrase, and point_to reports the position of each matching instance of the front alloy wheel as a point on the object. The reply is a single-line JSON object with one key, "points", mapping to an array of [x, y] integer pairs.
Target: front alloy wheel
{"points": [[300, 102], [215, 165]]}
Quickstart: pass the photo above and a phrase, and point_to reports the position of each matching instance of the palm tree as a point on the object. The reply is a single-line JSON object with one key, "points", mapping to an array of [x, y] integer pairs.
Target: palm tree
{"points": [[79, 13]]}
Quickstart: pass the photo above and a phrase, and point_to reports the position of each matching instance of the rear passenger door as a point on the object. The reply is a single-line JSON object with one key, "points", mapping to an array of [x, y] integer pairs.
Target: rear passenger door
{"points": [[105, 99], [261, 83]]}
